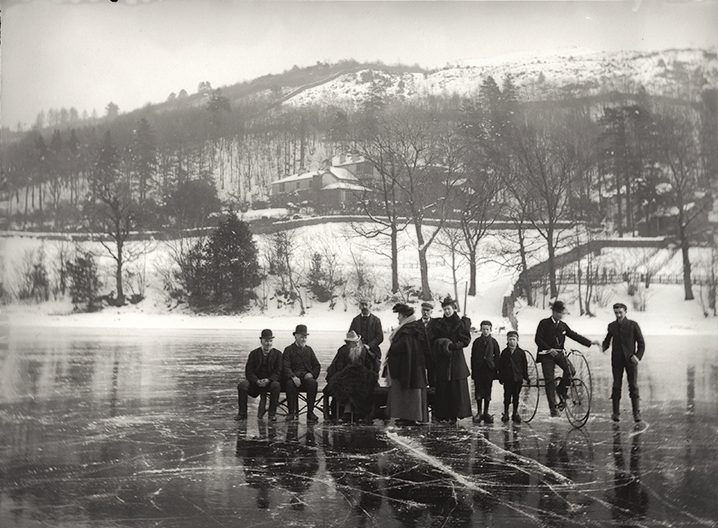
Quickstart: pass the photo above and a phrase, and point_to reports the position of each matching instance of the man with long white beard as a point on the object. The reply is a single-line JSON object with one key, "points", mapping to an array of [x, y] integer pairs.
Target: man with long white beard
{"points": [[351, 379]]}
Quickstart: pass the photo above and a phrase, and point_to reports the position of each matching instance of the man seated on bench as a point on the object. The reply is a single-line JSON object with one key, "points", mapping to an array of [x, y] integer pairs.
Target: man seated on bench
{"points": [[301, 370], [262, 372], [351, 379]]}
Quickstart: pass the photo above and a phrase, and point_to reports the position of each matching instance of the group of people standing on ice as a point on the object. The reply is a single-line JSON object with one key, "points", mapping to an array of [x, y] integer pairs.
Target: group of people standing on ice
{"points": [[427, 354]]}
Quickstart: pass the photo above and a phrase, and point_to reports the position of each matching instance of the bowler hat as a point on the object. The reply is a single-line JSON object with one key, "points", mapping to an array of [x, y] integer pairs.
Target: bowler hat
{"points": [[351, 337], [266, 334], [558, 306], [301, 330]]}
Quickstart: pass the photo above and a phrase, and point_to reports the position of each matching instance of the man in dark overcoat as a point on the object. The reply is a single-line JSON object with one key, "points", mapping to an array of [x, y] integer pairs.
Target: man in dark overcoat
{"points": [[368, 328], [301, 371], [262, 374], [628, 349], [551, 334], [351, 380]]}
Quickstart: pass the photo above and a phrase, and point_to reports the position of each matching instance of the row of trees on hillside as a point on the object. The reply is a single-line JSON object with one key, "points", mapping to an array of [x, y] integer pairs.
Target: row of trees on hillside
{"points": [[542, 166]]}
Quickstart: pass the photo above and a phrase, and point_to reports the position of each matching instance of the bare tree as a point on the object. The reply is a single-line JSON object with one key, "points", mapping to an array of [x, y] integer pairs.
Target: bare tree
{"points": [[546, 161], [285, 246], [112, 211], [418, 173], [451, 240], [681, 154]]}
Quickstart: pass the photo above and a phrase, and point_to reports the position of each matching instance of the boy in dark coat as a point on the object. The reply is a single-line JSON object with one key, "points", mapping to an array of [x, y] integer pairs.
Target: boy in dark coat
{"points": [[262, 372], [513, 369], [627, 351], [551, 334], [301, 371], [484, 369]]}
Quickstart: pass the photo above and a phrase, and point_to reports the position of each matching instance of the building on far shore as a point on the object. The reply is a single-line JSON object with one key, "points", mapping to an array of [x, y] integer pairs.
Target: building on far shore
{"points": [[337, 184]]}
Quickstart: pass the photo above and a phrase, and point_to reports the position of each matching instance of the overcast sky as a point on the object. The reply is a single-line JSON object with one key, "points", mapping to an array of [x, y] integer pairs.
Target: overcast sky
{"points": [[85, 54]]}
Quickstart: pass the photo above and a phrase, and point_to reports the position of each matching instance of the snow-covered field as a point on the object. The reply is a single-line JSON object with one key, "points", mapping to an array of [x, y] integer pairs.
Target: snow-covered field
{"points": [[665, 309]]}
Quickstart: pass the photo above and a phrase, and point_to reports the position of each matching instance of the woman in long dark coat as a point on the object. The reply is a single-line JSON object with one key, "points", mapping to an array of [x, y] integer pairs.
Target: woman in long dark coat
{"points": [[406, 364], [449, 336]]}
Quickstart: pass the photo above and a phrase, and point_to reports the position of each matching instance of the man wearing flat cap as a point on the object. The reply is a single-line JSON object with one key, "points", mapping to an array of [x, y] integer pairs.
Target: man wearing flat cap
{"points": [[551, 334], [627, 350], [262, 374], [301, 371], [368, 326]]}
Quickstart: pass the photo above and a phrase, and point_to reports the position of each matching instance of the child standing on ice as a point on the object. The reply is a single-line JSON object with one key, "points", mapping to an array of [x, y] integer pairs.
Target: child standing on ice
{"points": [[484, 369], [513, 369]]}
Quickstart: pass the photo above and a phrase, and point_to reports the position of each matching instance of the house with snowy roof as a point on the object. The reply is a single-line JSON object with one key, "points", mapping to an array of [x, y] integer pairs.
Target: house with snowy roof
{"points": [[336, 185]]}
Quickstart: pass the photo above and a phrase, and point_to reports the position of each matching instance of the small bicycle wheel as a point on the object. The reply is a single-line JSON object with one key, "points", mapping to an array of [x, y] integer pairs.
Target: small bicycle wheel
{"points": [[578, 403], [529, 397]]}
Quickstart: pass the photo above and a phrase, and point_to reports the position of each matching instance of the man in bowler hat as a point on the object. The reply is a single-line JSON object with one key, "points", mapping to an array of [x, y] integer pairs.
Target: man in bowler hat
{"points": [[551, 335], [301, 371], [262, 373]]}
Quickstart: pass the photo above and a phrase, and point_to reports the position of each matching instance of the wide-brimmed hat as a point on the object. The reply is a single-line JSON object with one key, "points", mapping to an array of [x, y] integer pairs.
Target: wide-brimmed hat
{"points": [[301, 330], [448, 301], [351, 337], [403, 309], [558, 306], [266, 334]]}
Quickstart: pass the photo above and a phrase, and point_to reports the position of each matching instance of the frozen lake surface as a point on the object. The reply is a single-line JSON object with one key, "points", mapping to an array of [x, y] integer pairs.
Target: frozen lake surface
{"points": [[135, 428]]}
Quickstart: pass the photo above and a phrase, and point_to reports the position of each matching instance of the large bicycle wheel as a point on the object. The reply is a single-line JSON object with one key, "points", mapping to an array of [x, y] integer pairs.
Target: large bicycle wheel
{"points": [[578, 403], [529, 397], [581, 371]]}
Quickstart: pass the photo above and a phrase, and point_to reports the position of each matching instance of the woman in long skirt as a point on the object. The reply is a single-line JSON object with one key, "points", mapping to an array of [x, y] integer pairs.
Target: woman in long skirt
{"points": [[450, 335], [406, 364]]}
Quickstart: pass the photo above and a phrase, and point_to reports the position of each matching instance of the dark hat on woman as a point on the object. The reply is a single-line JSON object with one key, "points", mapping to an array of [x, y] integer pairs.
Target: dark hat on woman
{"points": [[448, 301], [301, 330], [558, 306], [403, 309], [266, 334]]}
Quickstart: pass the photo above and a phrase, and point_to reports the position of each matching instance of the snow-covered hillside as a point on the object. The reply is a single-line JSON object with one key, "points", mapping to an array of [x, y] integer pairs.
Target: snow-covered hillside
{"points": [[672, 73]]}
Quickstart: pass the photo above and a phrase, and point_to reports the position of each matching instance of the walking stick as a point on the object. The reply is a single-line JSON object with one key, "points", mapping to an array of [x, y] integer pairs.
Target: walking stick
{"points": [[466, 293]]}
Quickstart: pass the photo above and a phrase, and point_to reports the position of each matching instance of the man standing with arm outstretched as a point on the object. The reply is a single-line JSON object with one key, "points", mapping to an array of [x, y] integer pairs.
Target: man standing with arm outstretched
{"points": [[627, 350]]}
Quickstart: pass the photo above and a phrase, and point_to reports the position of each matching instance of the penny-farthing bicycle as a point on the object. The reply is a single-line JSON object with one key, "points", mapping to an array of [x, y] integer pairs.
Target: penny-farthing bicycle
{"points": [[576, 404]]}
